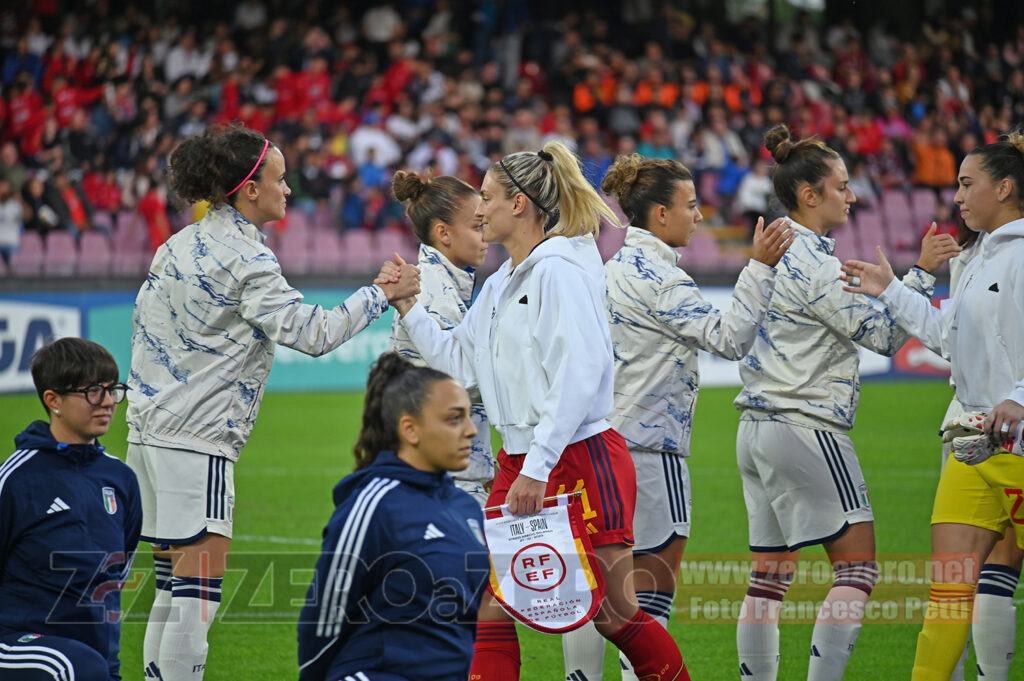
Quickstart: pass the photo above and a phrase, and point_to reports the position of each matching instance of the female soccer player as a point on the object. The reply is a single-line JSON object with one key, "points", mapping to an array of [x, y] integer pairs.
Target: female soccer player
{"points": [[994, 630], [398, 585], [70, 519], [981, 331], [802, 483], [443, 215], [205, 325], [536, 342], [658, 322]]}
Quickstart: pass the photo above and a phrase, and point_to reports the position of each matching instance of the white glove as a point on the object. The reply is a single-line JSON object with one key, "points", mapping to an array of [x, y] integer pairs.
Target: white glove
{"points": [[970, 443]]}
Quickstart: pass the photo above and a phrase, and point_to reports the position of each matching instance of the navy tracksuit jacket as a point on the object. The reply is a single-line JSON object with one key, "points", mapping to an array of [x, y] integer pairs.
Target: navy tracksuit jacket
{"points": [[399, 580], [70, 518]]}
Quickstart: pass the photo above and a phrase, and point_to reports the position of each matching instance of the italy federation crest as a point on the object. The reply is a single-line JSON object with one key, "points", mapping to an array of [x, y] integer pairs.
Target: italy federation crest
{"points": [[109, 500]]}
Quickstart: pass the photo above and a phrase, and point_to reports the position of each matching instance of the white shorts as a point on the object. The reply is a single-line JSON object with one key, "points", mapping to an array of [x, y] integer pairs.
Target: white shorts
{"points": [[663, 501], [475, 490], [185, 495], [801, 486]]}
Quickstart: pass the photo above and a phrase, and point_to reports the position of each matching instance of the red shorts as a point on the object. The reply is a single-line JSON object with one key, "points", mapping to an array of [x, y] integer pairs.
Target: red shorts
{"points": [[601, 469]]}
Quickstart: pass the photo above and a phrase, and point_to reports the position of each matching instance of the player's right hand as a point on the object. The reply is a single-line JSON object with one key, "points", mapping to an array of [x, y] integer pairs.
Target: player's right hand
{"points": [[772, 242]]}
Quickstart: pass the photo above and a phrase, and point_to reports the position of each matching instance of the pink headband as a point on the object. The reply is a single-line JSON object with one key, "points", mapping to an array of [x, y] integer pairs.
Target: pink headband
{"points": [[266, 143]]}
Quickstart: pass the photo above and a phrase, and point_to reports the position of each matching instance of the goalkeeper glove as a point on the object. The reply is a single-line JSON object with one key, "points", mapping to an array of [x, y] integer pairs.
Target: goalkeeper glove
{"points": [[970, 443]]}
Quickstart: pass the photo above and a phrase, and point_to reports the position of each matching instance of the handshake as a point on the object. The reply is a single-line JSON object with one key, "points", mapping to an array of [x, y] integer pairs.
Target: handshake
{"points": [[971, 445]]}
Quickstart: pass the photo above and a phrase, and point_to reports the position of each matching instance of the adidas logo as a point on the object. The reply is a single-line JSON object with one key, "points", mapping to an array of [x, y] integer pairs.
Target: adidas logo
{"points": [[57, 506], [432, 532], [814, 651], [745, 670], [358, 676]]}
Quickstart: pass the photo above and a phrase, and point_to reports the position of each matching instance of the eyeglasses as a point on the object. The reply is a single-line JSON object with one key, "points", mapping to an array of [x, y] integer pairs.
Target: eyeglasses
{"points": [[94, 393]]}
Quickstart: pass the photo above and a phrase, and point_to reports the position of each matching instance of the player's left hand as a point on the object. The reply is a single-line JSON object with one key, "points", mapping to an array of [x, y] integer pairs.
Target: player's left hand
{"points": [[1002, 421], [866, 277], [525, 496]]}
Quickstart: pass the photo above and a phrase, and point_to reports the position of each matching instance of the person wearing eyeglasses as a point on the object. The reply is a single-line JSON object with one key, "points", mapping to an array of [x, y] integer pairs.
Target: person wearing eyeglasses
{"points": [[70, 518]]}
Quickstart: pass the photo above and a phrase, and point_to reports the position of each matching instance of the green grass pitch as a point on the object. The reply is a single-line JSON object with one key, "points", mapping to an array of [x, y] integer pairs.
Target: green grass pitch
{"points": [[302, 446]]}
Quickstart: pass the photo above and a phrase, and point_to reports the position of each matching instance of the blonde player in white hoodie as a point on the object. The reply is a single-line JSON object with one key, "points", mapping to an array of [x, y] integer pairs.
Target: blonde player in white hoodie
{"points": [[981, 332], [536, 342], [659, 321]]}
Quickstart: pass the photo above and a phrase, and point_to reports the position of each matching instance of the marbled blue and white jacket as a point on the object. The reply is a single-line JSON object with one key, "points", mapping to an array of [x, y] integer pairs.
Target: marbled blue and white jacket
{"points": [[446, 293], [206, 320], [658, 322], [804, 368]]}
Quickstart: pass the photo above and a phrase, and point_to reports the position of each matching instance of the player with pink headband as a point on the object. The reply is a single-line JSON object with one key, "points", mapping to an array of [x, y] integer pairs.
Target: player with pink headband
{"points": [[206, 321]]}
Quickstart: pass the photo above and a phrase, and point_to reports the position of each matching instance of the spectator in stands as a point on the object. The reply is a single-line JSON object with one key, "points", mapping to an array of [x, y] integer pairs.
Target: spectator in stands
{"points": [[12, 212], [42, 206], [11, 167], [934, 166]]}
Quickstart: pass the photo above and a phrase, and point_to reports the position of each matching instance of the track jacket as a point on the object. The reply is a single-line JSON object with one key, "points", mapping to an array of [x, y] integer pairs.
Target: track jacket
{"points": [[981, 329], [70, 518], [205, 324], [804, 367], [446, 293], [398, 585], [536, 343], [658, 322]]}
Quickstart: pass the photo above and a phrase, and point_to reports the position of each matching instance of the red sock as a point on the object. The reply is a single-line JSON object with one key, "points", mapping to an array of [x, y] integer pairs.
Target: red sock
{"points": [[496, 652], [650, 649]]}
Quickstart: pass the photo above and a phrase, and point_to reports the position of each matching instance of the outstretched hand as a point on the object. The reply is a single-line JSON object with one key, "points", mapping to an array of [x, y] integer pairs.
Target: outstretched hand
{"points": [[866, 277], [400, 282], [772, 242], [936, 249]]}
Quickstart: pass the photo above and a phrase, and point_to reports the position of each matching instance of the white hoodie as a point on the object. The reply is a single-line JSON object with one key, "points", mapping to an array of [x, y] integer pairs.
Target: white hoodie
{"points": [[981, 328], [536, 343]]}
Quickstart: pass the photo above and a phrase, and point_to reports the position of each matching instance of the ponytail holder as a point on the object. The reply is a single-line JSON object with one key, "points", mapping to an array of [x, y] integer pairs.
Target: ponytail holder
{"points": [[545, 156], [266, 144]]}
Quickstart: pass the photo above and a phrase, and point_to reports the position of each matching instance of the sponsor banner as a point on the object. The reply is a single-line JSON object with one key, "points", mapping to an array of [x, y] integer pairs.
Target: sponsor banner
{"points": [[24, 328]]}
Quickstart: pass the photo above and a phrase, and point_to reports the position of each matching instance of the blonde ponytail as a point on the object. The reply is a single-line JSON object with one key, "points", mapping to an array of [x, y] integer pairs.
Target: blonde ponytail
{"points": [[553, 182]]}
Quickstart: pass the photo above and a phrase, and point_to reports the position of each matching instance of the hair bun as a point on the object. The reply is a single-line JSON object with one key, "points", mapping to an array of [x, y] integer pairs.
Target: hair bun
{"points": [[1015, 139], [408, 186], [779, 143], [622, 175]]}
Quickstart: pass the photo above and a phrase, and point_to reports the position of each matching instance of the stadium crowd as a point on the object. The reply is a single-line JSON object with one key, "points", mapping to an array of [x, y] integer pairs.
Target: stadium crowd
{"points": [[93, 102]]}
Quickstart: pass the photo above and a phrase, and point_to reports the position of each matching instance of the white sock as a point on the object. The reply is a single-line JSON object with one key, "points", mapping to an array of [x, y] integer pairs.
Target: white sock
{"points": [[183, 648], [583, 650], [995, 623], [757, 638], [157, 617], [657, 604], [835, 632]]}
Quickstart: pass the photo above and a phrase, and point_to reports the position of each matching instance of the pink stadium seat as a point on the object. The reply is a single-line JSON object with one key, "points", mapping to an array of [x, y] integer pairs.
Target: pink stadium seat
{"points": [[923, 202], [610, 240], [326, 254], [27, 261], [390, 241], [94, 255], [870, 232], [357, 251], [61, 255]]}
